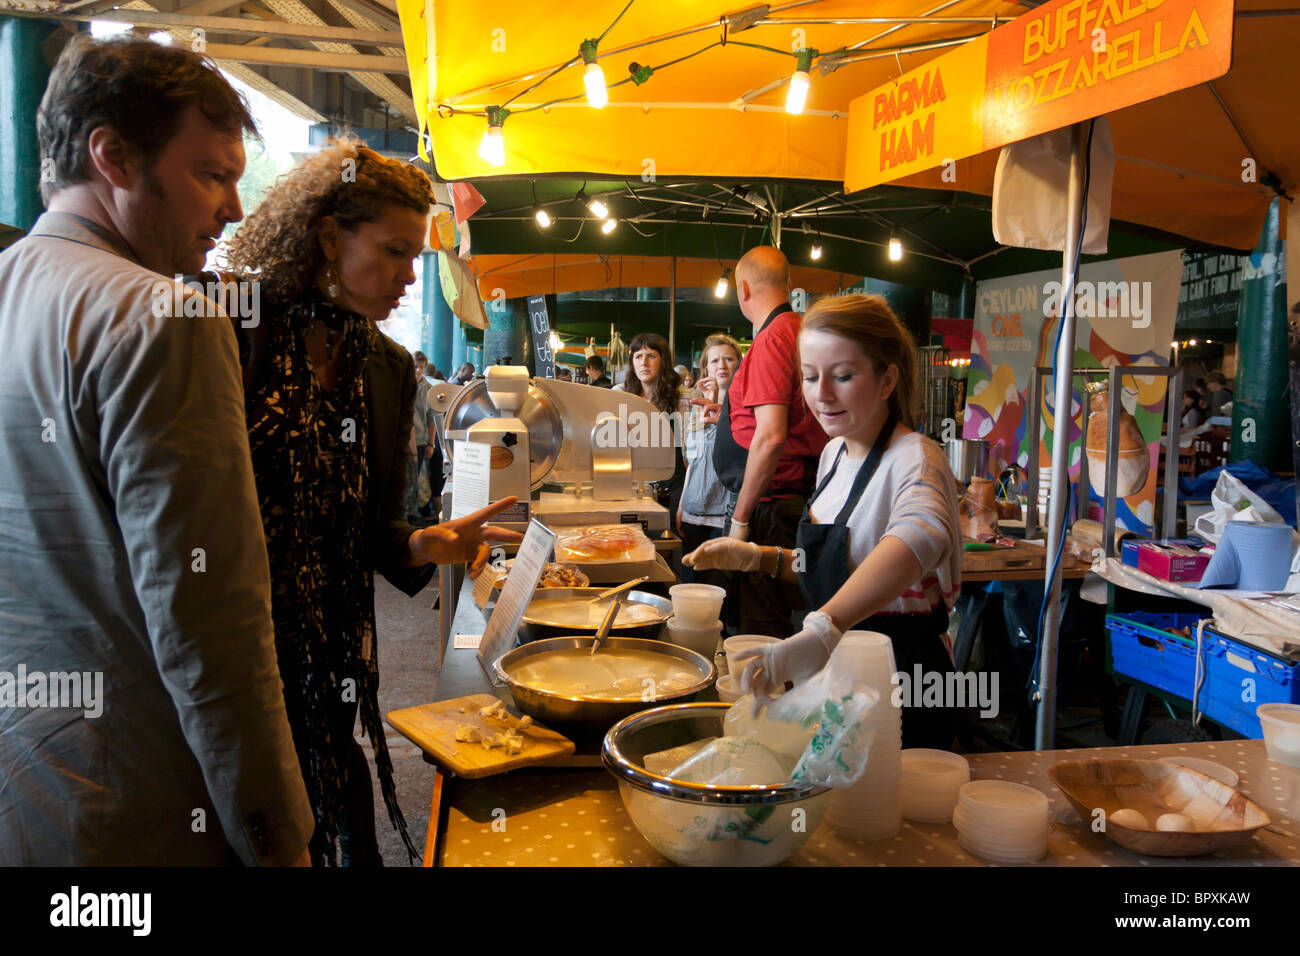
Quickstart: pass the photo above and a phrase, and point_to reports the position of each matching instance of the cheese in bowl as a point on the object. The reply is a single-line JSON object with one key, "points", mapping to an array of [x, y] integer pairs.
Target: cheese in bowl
{"points": [[613, 674]]}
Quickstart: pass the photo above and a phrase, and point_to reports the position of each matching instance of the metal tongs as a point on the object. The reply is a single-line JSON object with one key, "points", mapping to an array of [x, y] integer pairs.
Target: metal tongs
{"points": [[607, 624]]}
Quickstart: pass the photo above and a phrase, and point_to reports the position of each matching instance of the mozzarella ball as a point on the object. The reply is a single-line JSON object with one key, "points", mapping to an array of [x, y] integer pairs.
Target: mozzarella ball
{"points": [[1129, 817]]}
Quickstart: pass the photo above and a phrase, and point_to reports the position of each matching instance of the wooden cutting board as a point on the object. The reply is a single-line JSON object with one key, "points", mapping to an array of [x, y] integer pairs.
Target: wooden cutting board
{"points": [[432, 728], [1021, 557]]}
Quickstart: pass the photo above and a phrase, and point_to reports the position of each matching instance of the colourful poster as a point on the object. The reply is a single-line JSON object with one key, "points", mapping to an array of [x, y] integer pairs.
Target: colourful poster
{"points": [[1126, 310]]}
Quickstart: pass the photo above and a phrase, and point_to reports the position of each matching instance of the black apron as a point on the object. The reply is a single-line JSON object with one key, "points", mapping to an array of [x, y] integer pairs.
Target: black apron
{"points": [[729, 456], [915, 637]]}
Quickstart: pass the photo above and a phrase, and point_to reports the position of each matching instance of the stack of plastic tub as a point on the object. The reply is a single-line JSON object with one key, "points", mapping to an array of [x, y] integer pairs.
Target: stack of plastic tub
{"points": [[930, 784], [1002, 821], [870, 809]]}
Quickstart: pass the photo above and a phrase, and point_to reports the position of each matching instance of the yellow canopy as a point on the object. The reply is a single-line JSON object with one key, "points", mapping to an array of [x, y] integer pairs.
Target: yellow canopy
{"points": [[539, 273], [1180, 160]]}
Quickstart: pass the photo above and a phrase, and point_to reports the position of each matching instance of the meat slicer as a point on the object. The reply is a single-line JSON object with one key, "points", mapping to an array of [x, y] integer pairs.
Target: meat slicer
{"points": [[572, 454]]}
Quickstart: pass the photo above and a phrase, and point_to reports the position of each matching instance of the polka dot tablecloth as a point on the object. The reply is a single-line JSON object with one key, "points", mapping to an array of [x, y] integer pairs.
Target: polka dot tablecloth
{"points": [[576, 818]]}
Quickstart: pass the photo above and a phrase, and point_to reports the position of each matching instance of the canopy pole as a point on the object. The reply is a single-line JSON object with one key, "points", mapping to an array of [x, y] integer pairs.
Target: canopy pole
{"points": [[672, 311], [1045, 728]]}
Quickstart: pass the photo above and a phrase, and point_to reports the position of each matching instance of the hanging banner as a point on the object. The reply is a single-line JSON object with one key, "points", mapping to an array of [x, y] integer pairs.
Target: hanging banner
{"points": [[1061, 63], [1125, 316]]}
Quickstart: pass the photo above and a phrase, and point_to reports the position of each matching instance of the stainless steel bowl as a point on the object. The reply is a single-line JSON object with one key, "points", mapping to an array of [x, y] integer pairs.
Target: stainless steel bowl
{"points": [[596, 713], [536, 626], [700, 824]]}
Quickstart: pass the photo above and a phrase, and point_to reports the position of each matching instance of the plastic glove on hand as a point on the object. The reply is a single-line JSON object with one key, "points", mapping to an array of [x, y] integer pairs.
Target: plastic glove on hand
{"points": [[769, 667], [724, 554]]}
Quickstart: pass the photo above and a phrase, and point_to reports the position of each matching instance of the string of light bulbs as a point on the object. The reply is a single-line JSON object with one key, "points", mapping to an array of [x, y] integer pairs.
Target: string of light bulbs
{"points": [[492, 146]]}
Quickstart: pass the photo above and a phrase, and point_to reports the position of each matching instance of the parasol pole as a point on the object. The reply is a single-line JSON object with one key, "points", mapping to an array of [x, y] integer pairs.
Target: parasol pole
{"points": [[1045, 729], [672, 311]]}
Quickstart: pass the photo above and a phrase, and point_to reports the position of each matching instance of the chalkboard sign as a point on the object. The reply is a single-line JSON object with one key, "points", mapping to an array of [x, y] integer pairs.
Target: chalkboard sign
{"points": [[1210, 293], [540, 324]]}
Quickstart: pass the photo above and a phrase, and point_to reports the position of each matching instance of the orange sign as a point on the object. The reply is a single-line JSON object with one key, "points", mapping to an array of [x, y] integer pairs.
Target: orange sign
{"points": [[929, 114], [1067, 61]]}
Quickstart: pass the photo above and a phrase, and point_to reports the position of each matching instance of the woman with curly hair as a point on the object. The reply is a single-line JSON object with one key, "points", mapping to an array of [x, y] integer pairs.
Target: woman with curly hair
{"points": [[328, 401], [653, 377]]}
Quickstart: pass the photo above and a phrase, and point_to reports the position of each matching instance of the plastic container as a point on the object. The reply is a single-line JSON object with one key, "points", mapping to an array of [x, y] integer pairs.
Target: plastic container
{"points": [[696, 605], [734, 645], [1281, 723], [871, 809], [930, 783], [728, 688], [702, 640], [1002, 821]]}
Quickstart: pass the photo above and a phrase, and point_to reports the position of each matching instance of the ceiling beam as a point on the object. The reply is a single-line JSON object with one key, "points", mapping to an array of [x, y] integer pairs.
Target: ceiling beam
{"points": [[205, 7], [242, 26], [308, 59], [387, 21]]}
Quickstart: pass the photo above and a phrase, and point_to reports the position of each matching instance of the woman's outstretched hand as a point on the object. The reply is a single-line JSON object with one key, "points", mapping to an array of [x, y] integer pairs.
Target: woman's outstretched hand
{"points": [[463, 539]]}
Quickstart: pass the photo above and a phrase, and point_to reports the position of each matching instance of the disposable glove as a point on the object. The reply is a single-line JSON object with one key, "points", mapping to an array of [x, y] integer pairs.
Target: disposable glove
{"points": [[724, 554], [738, 530], [768, 667]]}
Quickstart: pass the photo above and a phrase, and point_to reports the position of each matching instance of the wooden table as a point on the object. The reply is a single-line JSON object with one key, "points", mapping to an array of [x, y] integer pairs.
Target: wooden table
{"points": [[575, 817]]}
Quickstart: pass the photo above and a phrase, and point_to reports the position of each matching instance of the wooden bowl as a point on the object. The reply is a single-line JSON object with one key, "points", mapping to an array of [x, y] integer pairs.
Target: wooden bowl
{"points": [[1223, 817]]}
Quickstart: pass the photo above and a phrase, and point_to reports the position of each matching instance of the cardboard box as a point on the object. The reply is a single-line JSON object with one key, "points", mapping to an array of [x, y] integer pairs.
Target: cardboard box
{"points": [[1180, 561]]}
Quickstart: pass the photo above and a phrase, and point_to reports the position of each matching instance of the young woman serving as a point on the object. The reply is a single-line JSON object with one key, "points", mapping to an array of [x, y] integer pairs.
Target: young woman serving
{"points": [[880, 542]]}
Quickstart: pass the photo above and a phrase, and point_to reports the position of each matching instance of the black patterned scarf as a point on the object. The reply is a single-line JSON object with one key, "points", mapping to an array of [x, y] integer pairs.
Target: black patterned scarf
{"points": [[309, 457]]}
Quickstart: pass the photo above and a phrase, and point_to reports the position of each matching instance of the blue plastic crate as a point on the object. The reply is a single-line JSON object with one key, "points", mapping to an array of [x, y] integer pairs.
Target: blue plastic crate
{"points": [[1140, 648], [1238, 678]]}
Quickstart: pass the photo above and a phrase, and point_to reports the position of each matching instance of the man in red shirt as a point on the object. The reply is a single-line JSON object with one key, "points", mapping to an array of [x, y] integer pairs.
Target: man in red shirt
{"points": [[768, 441]]}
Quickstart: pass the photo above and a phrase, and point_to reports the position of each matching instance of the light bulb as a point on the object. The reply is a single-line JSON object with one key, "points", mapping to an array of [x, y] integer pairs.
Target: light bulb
{"points": [[597, 94], [895, 249], [608, 226], [555, 341], [492, 150], [543, 218], [797, 95], [720, 290], [815, 252], [1192, 342], [598, 208]]}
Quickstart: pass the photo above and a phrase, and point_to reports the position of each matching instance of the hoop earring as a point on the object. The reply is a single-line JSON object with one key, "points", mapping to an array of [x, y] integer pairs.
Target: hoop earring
{"points": [[332, 282]]}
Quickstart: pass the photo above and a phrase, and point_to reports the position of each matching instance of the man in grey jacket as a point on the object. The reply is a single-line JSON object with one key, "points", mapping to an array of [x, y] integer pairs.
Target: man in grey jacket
{"points": [[141, 712]]}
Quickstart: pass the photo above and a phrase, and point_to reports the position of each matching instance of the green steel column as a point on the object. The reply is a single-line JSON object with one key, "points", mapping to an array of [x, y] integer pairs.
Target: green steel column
{"points": [[508, 332], [24, 73], [1261, 426], [438, 317], [966, 304], [910, 304]]}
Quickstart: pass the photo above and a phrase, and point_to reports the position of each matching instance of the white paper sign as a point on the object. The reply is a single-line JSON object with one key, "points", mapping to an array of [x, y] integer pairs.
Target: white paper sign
{"points": [[471, 478], [526, 571], [467, 641]]}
